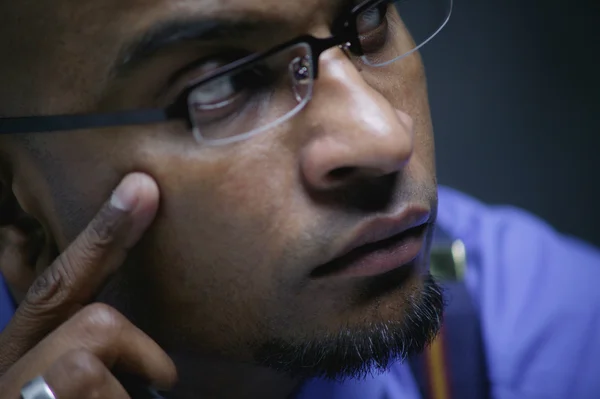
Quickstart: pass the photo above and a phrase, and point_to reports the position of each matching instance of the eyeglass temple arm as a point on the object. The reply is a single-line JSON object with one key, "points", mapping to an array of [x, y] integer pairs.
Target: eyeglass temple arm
{"points": [[48, 124]]}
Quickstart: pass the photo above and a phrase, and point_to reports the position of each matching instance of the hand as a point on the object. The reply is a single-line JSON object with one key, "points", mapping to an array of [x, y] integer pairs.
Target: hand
{"points": [[75, 345]]}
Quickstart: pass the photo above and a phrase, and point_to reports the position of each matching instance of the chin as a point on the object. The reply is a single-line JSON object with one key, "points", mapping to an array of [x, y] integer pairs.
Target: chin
{"points": [[389, 323]]}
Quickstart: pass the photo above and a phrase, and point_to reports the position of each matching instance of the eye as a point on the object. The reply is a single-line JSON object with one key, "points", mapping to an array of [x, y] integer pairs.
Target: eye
{"points": [[214, 94], [371, 19], [220, 99]]}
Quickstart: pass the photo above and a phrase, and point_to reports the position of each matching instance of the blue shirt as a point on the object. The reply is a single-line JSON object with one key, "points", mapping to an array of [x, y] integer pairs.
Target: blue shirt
{"points": [[538, 297]]}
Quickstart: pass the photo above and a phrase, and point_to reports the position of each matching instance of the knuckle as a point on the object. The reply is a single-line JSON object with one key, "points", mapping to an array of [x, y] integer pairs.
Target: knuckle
{"points": [[102, 230], [46, 287], [98, 237], [53, 286], [43, 288], [100, 322], [85, 369]]}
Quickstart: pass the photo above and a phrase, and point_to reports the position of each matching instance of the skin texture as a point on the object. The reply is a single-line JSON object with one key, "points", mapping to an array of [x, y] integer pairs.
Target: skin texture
{"points": [[226, 265]]}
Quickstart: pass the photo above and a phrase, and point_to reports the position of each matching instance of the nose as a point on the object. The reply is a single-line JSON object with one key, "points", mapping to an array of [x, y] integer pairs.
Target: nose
{"points": [[355, 132]]}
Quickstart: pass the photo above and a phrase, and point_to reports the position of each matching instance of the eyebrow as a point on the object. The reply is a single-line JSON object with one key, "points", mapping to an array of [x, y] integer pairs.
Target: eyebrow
{"points": [[170, 33], [167, 34]]}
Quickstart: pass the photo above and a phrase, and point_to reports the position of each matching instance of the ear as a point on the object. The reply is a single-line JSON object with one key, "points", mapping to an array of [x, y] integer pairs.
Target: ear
{"points": [[24, 248]]}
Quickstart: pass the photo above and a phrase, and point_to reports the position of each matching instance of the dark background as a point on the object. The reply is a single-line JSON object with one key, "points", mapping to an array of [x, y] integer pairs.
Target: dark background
{"points": [[515, 96]]}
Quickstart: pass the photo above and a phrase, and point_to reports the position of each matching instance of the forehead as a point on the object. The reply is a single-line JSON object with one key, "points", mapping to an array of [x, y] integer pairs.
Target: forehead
{"points": [[137, 13], [80, 39]]}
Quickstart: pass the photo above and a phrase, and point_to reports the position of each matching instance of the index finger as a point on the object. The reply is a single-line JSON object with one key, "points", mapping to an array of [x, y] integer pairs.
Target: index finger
{"points": [[77, 275]]}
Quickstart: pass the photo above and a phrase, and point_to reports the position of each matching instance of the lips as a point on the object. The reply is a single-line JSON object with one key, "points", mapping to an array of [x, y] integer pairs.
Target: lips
{"points": [[380, 247]]}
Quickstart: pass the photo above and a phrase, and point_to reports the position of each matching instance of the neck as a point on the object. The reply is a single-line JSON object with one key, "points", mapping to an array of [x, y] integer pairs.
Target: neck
{"points": [[219, 378]]}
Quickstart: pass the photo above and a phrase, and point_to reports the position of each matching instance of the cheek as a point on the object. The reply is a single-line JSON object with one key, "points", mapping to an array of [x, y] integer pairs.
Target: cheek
{"points": [[223, 200], [218, 236]]}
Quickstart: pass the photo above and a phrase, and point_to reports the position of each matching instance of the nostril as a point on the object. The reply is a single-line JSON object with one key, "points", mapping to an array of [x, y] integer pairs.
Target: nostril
{"points": [[341, 173]]}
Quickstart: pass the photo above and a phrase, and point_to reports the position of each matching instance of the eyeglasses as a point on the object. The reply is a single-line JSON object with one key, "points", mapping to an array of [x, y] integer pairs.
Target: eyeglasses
{"points": [[258, 92]]}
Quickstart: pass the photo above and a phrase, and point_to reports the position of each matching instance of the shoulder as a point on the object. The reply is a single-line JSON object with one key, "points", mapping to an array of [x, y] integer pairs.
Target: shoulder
{"points": [[538, 298]]}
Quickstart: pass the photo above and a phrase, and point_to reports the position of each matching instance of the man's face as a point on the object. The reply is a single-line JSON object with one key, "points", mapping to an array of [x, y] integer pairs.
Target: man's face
{"points": [[233, 265]]}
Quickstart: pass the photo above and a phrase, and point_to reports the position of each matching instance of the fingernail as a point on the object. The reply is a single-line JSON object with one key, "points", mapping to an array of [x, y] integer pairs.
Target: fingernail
{"points": [[124, 197]]}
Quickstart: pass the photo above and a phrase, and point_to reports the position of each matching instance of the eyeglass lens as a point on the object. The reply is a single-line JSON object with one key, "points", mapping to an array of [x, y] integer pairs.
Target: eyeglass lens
{"points": [[266, 93]]}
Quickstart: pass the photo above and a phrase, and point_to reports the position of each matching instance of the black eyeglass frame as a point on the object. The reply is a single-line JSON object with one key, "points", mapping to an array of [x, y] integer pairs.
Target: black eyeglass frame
{"points": [[345, 34]]}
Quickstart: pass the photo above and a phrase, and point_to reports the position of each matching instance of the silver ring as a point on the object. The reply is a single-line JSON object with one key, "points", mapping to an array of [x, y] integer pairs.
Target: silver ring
{"points": [[37, 389]]}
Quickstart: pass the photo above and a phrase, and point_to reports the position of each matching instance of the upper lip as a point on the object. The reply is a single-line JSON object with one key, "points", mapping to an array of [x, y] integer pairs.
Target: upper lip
{"points": [[381, 229]]}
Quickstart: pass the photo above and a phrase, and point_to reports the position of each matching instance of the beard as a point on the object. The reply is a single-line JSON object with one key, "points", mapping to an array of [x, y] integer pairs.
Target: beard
{"points": [[360, 351]]}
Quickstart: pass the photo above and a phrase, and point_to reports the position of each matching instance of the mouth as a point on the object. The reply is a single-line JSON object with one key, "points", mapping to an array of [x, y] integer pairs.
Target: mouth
{"points": [[379, 257]]}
